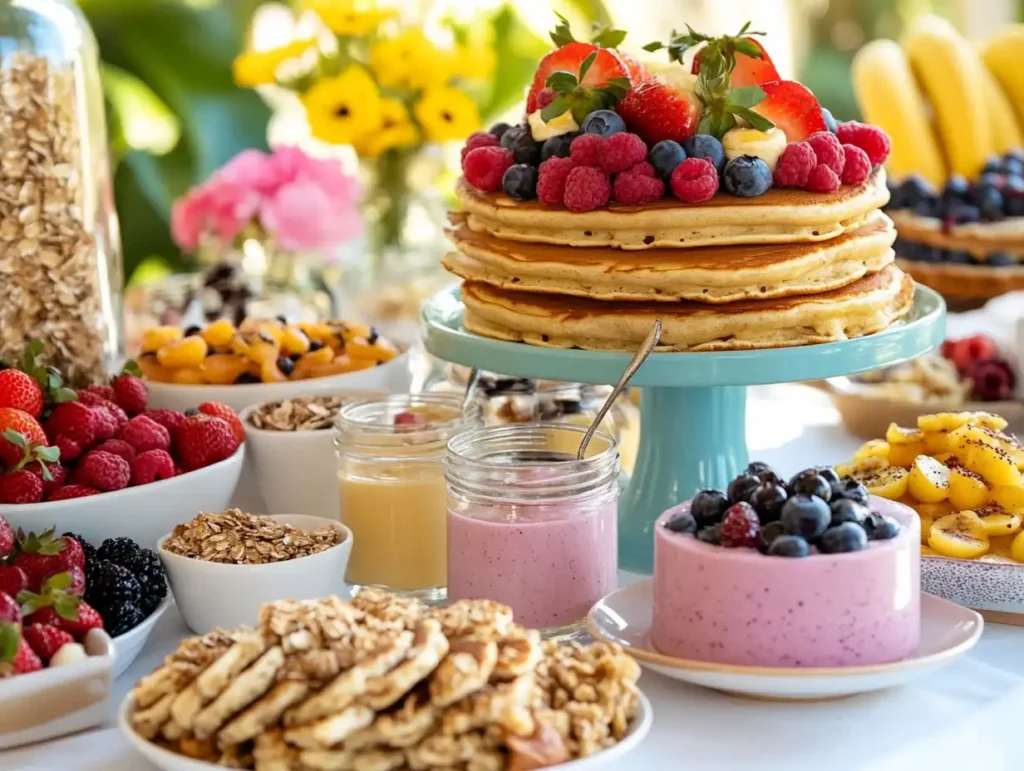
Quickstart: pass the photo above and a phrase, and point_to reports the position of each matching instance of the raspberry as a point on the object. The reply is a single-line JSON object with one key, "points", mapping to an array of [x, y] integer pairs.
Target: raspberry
{"points": [[741, 526], [634, 189], [102, 391], [103, 470], [202, 440], [822, 180], [478, 139], [586, 188], [46, 640], [145, 434], [56, 472], [169, 419], [21, 486], [551, 180], [120, 448], [119, 415], [228, 415], [151, 466], [794, 165], [74, 421], [993, 379], [871, 139], [90, 398], [644, 170], [857, 166], [130, 394], [69, 448], [484, 167], [695, 180], [545, 97], [72, 491], [828, 150], [586, 149], [104, 423], [621, 151]]}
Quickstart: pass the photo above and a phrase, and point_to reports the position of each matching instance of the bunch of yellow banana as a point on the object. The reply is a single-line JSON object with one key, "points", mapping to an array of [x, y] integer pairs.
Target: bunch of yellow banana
{"points": [[945, 112]]}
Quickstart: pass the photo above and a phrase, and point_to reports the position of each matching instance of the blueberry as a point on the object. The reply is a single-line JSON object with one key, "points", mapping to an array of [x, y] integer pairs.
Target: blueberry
{"points": [[711, 535], [810, 482], [880, 528], [1000, 259], [708, 507], [806, 515], [789, 546], [499, 129], [665, 156], [246, 378], [1013, 167], [519, 182], [926, 208], [769, 533], [929, 254], [557, 147], [286, 365], [742, 487], [604, 123], [512, 134], [768, 500], [850, 489], [958, 257], [963, 213], [845, 510], [747, 176], [1015, 205], [993, 179], [914, 190], [761, 470], [705, 146], [990, 202], [828, 474], [683, 522], [192, 330], [992, 165], [848, 536], [830, 121], [956, 189], [897, 196], [524, 148], [1016, 154]]}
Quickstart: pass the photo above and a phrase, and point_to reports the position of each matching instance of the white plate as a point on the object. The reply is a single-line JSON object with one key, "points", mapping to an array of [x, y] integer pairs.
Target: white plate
{"points": [[129, 645], [624, 617], [170, 761]]}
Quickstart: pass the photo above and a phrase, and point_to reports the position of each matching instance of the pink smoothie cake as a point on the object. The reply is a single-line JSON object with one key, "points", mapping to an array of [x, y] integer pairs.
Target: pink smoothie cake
{"points": [[739, 591]]}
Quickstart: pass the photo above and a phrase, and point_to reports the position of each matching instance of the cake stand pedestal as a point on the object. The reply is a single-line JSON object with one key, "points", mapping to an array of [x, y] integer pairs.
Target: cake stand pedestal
{"points": [[693, 405]]}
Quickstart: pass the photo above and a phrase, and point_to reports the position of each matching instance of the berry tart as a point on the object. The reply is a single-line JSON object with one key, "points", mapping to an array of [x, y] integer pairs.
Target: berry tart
{"points": [[710, 193], [813, 572]]}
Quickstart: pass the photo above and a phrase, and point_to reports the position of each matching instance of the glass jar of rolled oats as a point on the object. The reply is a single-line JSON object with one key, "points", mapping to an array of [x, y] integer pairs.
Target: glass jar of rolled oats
{"points": [[60, 256]]}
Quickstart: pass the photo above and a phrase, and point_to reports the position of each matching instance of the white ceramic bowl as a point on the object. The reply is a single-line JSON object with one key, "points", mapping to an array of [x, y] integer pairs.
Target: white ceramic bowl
{"points": [[129, 645], [142, 513], [393, 377], [211, 594], [58, 701]]}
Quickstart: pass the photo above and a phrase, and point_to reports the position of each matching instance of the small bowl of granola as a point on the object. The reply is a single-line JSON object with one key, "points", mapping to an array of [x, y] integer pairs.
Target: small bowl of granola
{"points": [[223, 567], [291, 440]]}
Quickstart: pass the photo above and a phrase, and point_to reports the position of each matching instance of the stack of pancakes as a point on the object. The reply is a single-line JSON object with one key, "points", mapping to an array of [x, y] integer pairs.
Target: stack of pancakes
{"points": [[787, 268]]}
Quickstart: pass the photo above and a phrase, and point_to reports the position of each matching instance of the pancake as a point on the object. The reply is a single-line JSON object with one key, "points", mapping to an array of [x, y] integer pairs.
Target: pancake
{"points": [[778, 216], [966, 281], [864, 307], [709, 274], [977, 238]]}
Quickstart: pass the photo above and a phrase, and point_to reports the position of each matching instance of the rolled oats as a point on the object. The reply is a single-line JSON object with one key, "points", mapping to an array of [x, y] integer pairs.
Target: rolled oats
{"points": [[50, 264], [234, 537], [310, 413]]}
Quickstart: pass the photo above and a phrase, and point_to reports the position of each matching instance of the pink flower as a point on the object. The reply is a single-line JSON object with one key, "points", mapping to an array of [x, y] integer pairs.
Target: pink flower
{"points": [[303, 216], [220, 208], [253, 169]]}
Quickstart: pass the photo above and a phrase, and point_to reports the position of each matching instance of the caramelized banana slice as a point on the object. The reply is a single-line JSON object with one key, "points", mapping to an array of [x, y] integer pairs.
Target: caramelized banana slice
{"points": [[950, 421], [890, 483], [1008, 497], [997, 522], [861, 466], [960, 535], [929, 480], [1017, 548], [905, 454], [936, 442], [899, 435], [874, 448], [967, 490]]}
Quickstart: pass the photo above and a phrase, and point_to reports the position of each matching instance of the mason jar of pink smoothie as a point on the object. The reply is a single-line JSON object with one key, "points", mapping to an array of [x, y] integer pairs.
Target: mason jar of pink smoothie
{"points": [[530, 526]]}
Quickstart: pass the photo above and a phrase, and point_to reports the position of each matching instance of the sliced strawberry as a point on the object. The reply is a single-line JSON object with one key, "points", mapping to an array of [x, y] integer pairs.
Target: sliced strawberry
{"points": [[637, 71], [749, 70], [568, 58], [657, 111], [792, 108]]}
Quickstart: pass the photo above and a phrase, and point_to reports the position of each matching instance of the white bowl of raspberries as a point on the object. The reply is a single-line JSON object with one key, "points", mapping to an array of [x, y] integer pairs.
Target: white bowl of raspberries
{"points": [[100, 463]]}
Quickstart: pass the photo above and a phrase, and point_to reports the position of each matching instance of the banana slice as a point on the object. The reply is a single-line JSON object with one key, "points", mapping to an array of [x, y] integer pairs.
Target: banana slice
{"points": [[960, 535], [999, 523], [873, 448], [1017, 548], [967, 490], [889, 483], [929, 480], [950, 421], [905, 454], [994, 465], [861, 466], [936, 442], [1008, 497], [899, 435]]}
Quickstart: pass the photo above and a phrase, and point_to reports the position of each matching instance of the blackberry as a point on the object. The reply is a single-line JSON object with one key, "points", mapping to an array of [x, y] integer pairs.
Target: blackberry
{"points": [[121, 618], [87, 549], [149, 573], [118, 550], [113, 585]]}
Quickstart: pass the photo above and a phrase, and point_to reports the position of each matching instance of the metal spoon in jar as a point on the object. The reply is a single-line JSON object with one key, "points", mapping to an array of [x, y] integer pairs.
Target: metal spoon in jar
{"points": [[471, 383], [639, 358]]}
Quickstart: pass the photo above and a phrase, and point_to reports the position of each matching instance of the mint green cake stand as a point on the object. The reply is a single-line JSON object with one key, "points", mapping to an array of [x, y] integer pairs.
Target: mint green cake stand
{"points": [[693, 405]]}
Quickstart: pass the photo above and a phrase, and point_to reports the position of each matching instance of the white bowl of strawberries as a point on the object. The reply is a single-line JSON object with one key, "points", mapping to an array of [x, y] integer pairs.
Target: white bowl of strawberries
{"points": [[98, 462]]}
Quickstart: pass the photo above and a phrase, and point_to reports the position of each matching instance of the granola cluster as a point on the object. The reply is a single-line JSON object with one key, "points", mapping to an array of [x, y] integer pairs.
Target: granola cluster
{"points": [[383, 683], [308, 413], [235, 537], [49, 263]]}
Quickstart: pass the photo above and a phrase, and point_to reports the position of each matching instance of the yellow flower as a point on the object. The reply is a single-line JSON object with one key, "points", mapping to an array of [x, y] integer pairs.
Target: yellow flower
{"points": [[257, 68], [350, 17], [446, 113], [476, 62], [408, 61], [343, 109], [396, 130]]}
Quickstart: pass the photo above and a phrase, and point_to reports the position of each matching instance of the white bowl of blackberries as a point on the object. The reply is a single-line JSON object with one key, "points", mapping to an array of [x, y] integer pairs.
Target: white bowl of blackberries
{"points": [[815, 512], [126, 585]]}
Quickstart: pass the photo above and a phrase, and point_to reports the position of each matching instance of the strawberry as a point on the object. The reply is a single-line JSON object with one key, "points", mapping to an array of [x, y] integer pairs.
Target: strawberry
{"points": [[202, 440], [656, 112], [44, 555], [46, 640], [21, 391], [52, 474], [18, 432], [16, 655], [10, 610], [748, 70], [792, 108], [7, 538], [69, 613], [12, 580], [21, 486], [569, 58], [218, 410]]}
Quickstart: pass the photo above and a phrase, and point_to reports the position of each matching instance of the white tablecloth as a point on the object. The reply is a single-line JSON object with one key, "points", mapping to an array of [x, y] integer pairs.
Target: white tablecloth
{"points": [[963, 717]]}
